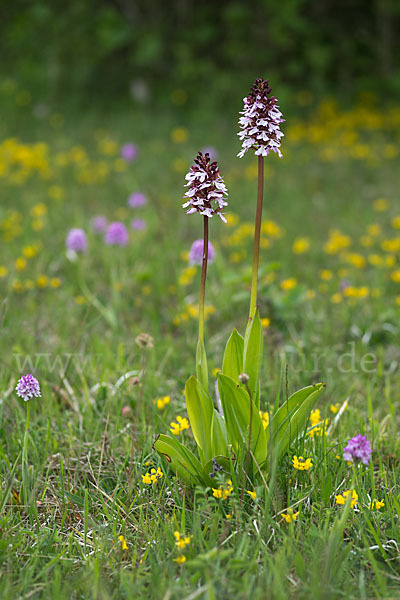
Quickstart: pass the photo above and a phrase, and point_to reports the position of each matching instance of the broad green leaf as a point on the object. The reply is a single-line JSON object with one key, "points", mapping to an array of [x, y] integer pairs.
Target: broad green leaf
{"points": [[294, 417], [219, 439], [200, 410], [201, 364], [181, 460], [253, 356], [233, 357], [237, 406]]}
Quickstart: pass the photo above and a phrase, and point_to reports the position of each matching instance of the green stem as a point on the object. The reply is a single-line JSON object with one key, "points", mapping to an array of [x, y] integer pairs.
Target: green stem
{"points": [[28, 413], [203, 280], [257, 233]]}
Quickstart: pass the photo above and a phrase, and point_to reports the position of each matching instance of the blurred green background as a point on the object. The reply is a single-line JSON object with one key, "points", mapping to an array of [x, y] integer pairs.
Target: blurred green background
{"points": [[103, 50]]}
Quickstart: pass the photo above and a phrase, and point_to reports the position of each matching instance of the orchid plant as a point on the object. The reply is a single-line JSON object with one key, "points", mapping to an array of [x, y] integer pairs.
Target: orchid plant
{"points": [[233, 436]]}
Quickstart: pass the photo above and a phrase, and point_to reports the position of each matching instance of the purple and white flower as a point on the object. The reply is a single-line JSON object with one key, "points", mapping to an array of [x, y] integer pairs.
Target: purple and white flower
{"points": [[196, 252], [260, 123], [117, 234], [76, 240], [28, 387], [207, 190], [358, 449]]}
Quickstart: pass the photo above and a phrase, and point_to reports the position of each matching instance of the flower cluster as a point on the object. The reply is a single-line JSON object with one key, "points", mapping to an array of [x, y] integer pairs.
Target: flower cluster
{"points": [[153, 476], [358, 449], [181, 540], [302, 464], [28, 387], [206, 188], [290, 515], [341, 498], [223, 491], [76, 240], [260, 123], [181, 424]]}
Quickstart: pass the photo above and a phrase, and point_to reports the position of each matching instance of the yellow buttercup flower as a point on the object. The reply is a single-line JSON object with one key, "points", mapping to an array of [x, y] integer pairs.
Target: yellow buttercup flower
{"points": [[265, 322]]}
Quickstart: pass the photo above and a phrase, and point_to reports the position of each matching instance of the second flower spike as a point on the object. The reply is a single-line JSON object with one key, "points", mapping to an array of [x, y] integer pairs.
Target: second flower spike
{"points": [[206, 189]]}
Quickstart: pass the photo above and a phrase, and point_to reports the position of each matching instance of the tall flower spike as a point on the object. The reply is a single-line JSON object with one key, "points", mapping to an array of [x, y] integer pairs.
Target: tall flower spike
{"points": [[260, 123], [206, 188]]}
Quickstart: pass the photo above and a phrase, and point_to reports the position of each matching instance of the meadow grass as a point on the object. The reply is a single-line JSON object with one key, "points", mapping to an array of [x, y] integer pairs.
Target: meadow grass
{"points": [[330, 300]]}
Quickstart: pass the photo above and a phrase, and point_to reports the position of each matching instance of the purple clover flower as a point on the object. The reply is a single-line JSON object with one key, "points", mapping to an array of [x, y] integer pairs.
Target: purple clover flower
{"points": [[99, 224], [76, 240], [129, 152], [28, 387], [138, 224], [206, 188], [358, 449], [260, 123], [196, 252], [117, 234], [137, 199]]}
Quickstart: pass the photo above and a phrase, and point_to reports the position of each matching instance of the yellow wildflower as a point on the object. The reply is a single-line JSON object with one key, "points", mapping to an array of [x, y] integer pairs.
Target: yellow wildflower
{"points": [[42, 281], [264, 418], [265, 322], [181, 540], [290, 515], [341, 498], [3, 271], [381, 205], [153, 476], [301, 245], [162, 402], [288, 284], [326, 275], [124, 545], [376, 504], [20, 264], [181, 424], [302, 464], [180, 560], [223, 491], [395, 276], [252, 494], [334, 408], [179, 135]]}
